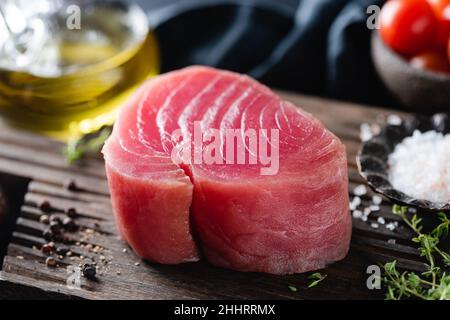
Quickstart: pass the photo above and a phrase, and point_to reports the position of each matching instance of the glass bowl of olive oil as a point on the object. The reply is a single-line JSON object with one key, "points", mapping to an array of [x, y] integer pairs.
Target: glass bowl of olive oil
{"points": [[91, 55]]}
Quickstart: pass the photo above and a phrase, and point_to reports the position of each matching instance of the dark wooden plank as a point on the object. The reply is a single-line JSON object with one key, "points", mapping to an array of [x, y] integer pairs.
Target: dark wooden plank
{"points": [[53, 176], [122, 275], [43, 188]]}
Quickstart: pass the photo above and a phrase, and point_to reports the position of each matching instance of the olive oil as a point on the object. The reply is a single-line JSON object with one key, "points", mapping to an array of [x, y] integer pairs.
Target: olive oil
{"points": [[96, 69]]}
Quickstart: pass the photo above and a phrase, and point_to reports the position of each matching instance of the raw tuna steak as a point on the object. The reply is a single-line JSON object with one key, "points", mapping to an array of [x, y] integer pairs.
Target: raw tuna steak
{"points": [[281, 207]]}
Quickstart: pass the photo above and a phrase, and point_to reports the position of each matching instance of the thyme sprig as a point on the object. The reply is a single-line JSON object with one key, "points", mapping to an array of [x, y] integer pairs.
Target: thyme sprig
{"points": [[91, 143], [316, 278], [434, 283]]}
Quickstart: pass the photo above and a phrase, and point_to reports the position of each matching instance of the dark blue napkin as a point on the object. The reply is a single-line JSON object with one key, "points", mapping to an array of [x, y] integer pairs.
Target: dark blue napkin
{"points": [[322, 47]]}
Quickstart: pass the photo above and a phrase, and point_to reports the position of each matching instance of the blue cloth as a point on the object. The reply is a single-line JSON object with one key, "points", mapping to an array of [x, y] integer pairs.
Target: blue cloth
{"points": [[320, 48]]}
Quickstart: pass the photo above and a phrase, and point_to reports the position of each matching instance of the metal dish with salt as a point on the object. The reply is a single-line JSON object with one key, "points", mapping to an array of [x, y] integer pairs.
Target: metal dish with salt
{"points": [[374, 155]]}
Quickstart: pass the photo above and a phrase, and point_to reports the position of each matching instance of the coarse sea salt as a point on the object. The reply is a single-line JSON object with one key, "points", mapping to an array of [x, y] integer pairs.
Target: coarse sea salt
{"points": [[357, 214], [420, 166], [356, 201], [377, 200], [365, 132], [360, 190], [394, 120], [390, 226]]}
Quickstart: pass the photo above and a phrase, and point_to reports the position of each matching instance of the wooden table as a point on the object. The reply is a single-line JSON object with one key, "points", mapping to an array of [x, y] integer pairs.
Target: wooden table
{"points": [[36, 166]]}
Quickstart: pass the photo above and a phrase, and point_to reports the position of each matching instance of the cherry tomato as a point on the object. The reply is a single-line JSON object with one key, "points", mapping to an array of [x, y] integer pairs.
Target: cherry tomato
{"points": [[408, 26], [441, 9], [431, 61]]}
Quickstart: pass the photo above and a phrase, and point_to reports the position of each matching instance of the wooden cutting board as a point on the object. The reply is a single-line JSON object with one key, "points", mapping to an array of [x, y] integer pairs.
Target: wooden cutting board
{"points": [[37, 162]]}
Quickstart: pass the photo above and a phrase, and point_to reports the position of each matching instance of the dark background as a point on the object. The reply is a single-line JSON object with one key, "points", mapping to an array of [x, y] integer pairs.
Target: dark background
{"points": [[158, 4], [315, 47]]}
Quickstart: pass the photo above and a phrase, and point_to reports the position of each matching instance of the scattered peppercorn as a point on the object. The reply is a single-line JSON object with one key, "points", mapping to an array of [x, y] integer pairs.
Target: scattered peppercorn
{"points": [[45, 206], [51, 262], [55, 218], [69, 224], [44, 219], [55, 227], [70, 185], [47, 248], [48, 234], [71, 213], [89, 271]]}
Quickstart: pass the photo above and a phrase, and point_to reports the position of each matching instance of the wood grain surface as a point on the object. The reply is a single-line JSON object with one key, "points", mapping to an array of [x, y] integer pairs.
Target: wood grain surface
{"points": [[38, 160]]}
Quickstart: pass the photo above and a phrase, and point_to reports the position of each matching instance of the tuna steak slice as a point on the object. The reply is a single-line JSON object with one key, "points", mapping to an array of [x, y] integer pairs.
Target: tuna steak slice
{"points": [[292, 221]]}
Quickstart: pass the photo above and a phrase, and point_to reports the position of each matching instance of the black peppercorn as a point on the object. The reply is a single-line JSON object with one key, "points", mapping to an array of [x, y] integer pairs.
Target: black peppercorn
{"points": [[48, 234], [71, 213], [56, 219], [69, 224], [89, 271], [70, 185], [45, 206], [55, 227]]}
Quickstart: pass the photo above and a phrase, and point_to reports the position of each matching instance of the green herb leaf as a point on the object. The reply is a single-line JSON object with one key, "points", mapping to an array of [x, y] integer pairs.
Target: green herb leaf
{"points": [[292, 288], [431, 284], [316, 278], [77, 149]]}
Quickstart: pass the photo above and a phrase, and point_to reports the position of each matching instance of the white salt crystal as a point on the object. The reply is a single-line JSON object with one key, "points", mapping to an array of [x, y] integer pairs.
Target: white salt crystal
{"points": [[420, 166], [374, 208], [374, 225], [377, 200], [364, 218], [367, 211], [357, 214], [381, 220], [394, 120], [360, 190], [365, 132], [356, 201], [391, 241], [390, 226]]}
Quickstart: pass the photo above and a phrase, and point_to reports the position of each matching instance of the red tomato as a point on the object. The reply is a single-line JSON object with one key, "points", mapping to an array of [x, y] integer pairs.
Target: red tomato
{"points": [[431, 61], [408, 26], [441, 9]]}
